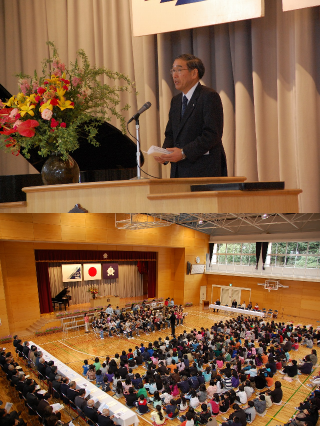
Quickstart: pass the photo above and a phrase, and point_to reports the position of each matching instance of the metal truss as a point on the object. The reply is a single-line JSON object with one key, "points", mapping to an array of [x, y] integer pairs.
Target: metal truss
{"points": [[245, 223]]}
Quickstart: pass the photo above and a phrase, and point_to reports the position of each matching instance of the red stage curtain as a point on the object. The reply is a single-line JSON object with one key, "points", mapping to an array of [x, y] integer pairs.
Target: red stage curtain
{"points": [[152, 279], [44, 287], [142, 267]]}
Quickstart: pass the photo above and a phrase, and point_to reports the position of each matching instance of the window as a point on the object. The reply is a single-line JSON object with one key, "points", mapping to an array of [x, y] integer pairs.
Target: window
{"points": [[280, 254]]}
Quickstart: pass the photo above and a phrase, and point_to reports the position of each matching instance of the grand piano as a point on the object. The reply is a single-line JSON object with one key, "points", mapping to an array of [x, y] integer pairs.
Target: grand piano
{"points": [[61, 298], [114, 159]]}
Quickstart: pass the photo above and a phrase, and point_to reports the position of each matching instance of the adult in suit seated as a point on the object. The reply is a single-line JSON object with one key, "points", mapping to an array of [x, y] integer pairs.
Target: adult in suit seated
{"points": [[21, 382], [32, 399], [72, 392], [44, 402], [217, 303], [90, 411], [80, 399], [104, 419], [64, 386], [195, 126], [15, 377], [42, 367], [56, 384], [26, 349], [49, 368]]}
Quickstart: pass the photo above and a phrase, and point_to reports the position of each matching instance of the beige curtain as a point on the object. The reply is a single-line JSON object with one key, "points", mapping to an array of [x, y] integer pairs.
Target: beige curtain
{"points": [[266, 70], [129, 284]]}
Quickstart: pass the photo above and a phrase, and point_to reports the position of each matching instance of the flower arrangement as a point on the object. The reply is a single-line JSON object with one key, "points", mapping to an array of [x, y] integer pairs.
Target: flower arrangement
{"points": [[93, 290], [188, 304], [48, 331], [6, 339], [51, 111]]}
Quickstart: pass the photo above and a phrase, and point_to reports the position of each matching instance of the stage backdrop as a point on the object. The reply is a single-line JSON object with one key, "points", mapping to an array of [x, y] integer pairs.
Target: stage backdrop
{"points": [[128, 284], [160, 16], [131, 263]]}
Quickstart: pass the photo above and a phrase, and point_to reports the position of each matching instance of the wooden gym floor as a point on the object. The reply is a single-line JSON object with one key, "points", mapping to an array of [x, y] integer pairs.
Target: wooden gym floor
{"points": [[77, 346]]}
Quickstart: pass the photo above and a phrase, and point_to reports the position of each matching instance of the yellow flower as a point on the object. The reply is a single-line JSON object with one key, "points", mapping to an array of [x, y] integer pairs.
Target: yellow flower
{"points": [[46, 105], [20, 97], [60, 92], [63, 104], [32, 98], [10, 102], [27, 109]]}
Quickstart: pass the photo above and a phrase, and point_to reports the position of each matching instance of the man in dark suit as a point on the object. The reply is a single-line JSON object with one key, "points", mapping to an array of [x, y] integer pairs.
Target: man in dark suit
{"points": [[194, 130], [80, 400], [72, 392], [64, 386], [90, 411], [45, 402], [42, 366], [32, 400], [104, 418]]}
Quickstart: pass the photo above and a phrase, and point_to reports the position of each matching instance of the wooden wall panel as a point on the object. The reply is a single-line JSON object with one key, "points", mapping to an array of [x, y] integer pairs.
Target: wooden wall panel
{"points": [[302, 298], [47, 232], [20, 285], [178, 286], [4, 327]]}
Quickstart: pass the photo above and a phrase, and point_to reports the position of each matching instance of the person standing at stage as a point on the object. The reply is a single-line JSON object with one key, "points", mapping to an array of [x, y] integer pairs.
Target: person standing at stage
{"points": [[86, 322], [194, 130], [217, 303], [173, 323]]}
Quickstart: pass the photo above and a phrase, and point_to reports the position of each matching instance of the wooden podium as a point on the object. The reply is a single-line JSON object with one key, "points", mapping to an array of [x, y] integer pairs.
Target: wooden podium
{"points": [[105, 301], [156, 196]]}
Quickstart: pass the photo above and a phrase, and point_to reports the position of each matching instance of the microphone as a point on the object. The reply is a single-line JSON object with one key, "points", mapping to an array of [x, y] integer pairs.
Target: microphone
{"points": [[146, 106]]}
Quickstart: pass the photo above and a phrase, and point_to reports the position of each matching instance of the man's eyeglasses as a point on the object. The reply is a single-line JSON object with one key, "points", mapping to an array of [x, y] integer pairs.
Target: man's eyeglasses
{"points": [[178, 70]]}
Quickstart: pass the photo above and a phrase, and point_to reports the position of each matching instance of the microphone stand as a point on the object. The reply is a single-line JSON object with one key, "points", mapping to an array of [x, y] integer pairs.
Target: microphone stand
{"points": [[138, 177]]}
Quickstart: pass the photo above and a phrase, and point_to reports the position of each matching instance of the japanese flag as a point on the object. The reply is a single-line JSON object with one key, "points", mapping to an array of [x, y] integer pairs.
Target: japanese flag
{"points": [[91, 271]]}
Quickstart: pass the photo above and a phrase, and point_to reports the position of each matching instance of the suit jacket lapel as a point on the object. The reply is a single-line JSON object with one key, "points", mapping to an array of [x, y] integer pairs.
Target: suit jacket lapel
{"points": [[191, 105]]}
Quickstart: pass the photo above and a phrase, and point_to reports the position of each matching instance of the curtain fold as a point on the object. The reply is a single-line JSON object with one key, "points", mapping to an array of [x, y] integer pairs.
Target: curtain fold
{"points": [[44, 288], [266, 70], [129, 283], [152, 279]]}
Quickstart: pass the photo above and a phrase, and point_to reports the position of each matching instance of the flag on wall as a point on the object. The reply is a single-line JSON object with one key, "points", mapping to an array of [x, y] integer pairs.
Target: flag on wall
{"points": [[91, 271], [71, 273], [110, 271]]}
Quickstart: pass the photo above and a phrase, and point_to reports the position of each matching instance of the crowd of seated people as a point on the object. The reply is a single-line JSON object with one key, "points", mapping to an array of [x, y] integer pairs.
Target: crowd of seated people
{"points": [[39, 401], [140, 319], [199, 374]]}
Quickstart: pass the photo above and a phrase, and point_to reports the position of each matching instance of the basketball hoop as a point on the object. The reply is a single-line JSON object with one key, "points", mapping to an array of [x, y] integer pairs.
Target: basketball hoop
{"points": [[272, 285]]}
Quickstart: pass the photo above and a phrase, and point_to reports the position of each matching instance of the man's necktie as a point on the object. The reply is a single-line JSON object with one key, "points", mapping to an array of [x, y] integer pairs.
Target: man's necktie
{"points": [[184, 105]]}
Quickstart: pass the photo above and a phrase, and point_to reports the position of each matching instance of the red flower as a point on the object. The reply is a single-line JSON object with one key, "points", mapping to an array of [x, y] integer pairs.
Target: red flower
{"points": [[72, 103], [7, 132], [54, 101], [46, 82], [37, 98], [5, 111], [41, 90], [63, 125], [65, 87], [65, 81], [27, 128], [54, 123]]}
